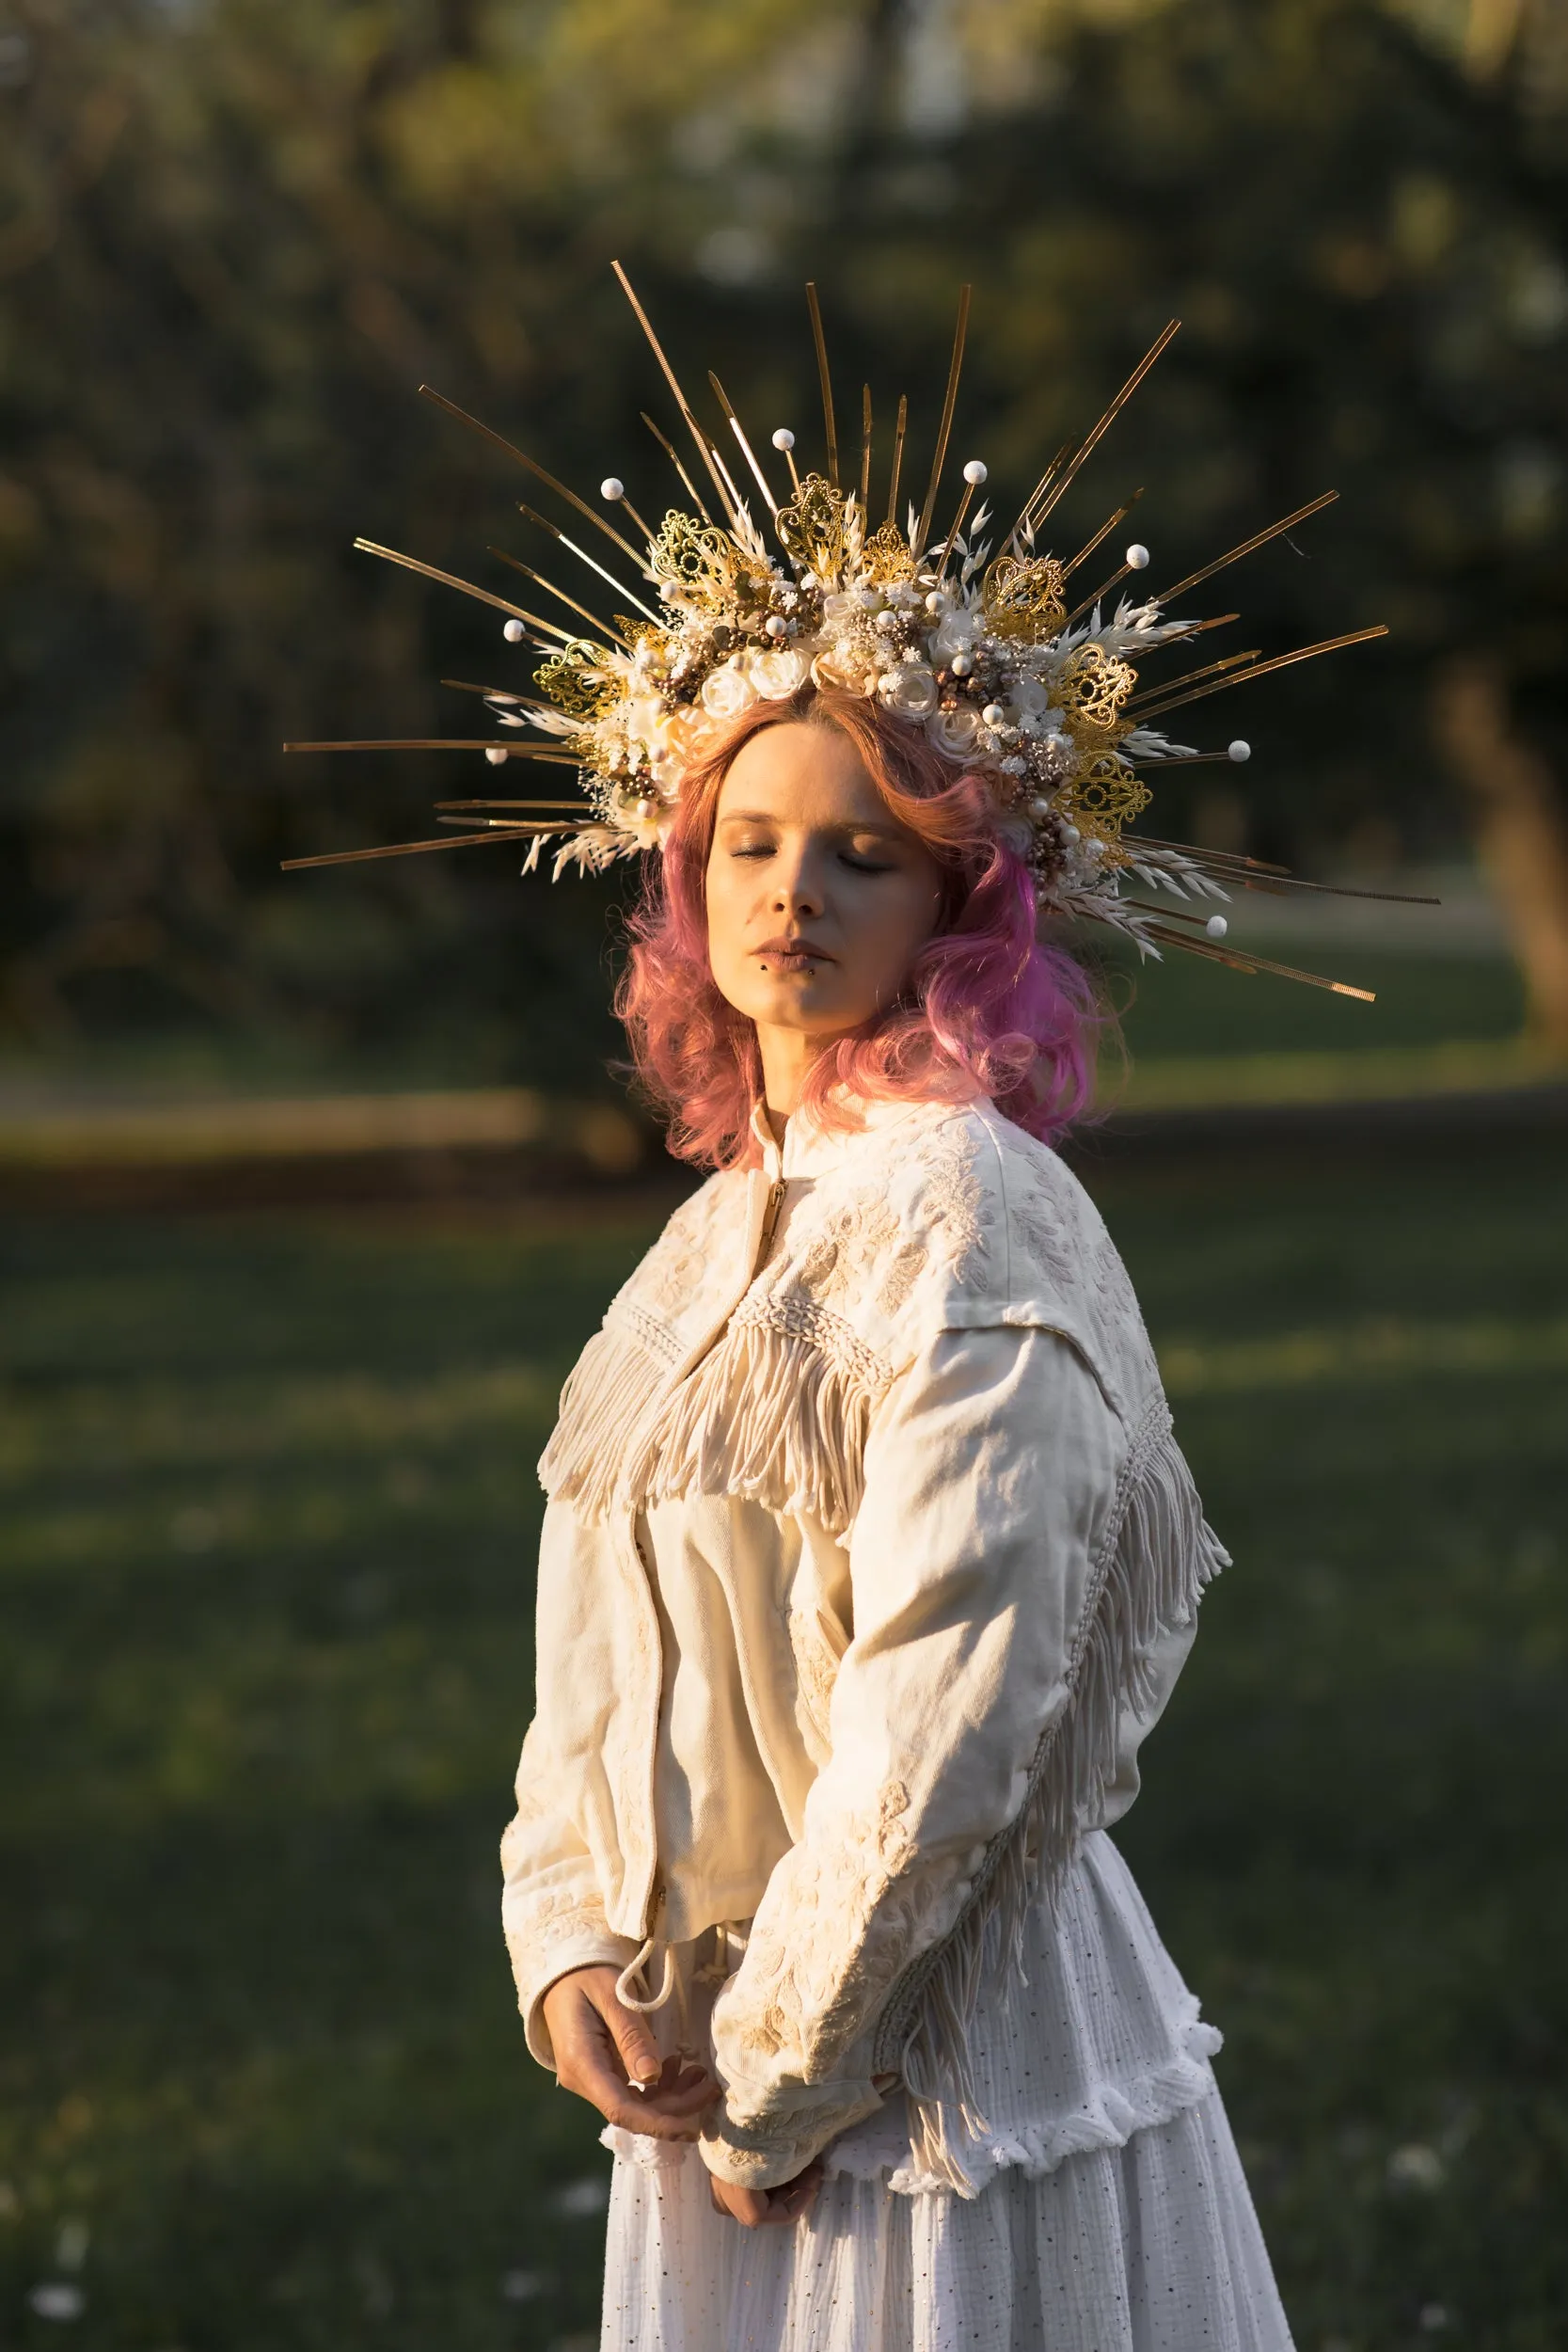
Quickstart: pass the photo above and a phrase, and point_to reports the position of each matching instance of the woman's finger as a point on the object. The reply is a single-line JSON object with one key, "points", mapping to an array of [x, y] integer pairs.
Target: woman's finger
{"points": [[634, 2042]]}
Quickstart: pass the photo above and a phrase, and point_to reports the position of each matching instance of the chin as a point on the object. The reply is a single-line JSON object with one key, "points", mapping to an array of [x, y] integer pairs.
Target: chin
{"points": [[806, 1005]]}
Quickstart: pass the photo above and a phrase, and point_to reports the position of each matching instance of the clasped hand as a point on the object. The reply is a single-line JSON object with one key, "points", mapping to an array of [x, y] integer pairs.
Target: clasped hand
{"points": [[602, 2049]]}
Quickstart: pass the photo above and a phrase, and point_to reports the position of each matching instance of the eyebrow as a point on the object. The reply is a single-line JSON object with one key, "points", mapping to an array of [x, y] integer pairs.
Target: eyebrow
{"points": [[766, 817]]}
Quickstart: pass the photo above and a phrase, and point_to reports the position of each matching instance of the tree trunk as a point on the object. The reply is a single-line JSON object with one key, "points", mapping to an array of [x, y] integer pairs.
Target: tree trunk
{"points": [[1521, 824]]}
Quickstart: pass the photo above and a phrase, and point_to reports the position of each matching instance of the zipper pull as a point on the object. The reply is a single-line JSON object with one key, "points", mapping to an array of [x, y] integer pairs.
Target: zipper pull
{"points": [[770, 1225]]}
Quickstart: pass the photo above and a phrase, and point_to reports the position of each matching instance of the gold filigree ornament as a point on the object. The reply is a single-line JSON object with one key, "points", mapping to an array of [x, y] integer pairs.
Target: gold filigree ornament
{"points": [[970, 641]]}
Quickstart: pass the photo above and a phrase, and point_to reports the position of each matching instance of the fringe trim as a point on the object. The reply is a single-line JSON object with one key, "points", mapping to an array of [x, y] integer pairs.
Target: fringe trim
{"points": [[1157, 1557], [780, 1411]]}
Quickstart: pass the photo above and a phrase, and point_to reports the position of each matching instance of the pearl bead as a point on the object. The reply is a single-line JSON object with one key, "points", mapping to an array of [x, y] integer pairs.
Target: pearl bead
{"points": [[613, 487], [776, 624], [513, 632], [885, 620], [1071, 835], [962, 664], [496, 755], [1217, 927], [993, 714], [936, 604], [1039, 807], [1137, 557], [1239, 750], [784, 437], [646, 809], [975, 473]]}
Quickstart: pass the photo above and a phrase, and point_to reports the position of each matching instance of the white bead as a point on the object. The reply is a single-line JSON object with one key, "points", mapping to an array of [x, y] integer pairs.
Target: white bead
{"points": [[993, 714], [496, 755], [936, 604], [513, 632], [975, 473], [885, 620], [784, 437], [1217, 927], [1071, 835], [776, 624], [1039, 808], [1239, 750], [613, 487], [962, 664], [1137, 557], [646, 809]]}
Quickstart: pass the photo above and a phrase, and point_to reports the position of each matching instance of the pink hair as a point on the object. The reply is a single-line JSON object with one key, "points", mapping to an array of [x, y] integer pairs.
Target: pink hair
{"points": [[986, 1010]]}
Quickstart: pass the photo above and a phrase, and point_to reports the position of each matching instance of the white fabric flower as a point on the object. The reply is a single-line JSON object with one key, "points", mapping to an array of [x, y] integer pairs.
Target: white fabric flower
{"points": [[777, 676], [1029, 696], [688, 731], [957, 733], [728, 691], [954, 632], [908, 692]]}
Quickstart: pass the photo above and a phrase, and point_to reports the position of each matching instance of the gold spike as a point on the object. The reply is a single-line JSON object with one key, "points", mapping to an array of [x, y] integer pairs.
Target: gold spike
{"points": [[637, 521], [1259, 538], [1100, 536], [410, 848], [1262, 669], [449, 579], [534, 465], [1047, 478], [821, 340], [681, 402], [944, 429], [1087, 447], [548, 585], [444, 743], [899, 431], [958, 526], [580, 806], [732, 489], [1103, 591], [522, 824], [746, 450], [584, 557], [496, 693], [866, 446], [1241, 960], [1190, 677], [668, 448]]}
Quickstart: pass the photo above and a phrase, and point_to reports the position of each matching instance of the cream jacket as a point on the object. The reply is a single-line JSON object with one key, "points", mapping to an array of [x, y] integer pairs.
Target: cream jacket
{"points": [[869, 1560]]}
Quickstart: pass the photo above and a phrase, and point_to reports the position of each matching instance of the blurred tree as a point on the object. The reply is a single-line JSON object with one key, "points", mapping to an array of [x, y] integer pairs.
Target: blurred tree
{"points": [[234, 236]]}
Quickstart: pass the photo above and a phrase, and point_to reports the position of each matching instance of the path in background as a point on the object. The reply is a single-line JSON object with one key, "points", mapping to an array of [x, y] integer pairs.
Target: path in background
{"points": [[270, 1517]]}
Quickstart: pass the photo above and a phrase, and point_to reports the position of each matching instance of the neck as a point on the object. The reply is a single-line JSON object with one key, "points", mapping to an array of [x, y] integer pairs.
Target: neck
{"points": [[787, 1057]]}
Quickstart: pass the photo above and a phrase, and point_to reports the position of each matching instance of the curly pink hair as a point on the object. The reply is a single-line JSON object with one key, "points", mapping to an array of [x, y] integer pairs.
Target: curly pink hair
{"points": [[986, 1010]]}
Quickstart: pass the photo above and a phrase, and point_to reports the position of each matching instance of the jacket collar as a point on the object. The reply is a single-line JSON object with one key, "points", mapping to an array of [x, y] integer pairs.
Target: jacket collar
{"points": [[810, 1149]]}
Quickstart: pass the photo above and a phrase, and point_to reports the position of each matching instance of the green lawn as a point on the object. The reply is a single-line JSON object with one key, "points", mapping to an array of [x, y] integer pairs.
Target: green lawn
{"points": [[266, 1574]]}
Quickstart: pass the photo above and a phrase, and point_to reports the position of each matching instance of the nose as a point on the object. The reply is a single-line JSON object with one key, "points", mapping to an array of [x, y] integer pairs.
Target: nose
{"points": [[797, 893]]}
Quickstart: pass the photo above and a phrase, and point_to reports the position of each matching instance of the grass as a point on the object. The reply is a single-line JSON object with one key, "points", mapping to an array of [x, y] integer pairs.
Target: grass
{"points": [[267, 1579]]}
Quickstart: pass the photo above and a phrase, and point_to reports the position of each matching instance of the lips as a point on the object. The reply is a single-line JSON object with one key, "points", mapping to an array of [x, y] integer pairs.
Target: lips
{"points": [[791, 955]]}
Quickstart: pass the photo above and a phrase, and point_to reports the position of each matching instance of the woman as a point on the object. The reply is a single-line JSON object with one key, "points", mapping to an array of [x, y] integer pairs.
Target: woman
{"points": [[868, 1563]]}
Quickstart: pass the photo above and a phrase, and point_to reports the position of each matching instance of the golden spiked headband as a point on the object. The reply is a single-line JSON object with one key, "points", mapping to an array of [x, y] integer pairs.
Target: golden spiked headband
{"points": [[990, 654]]}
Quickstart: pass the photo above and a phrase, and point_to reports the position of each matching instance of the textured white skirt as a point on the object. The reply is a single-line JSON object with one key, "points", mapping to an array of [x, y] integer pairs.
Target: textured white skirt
{"points": [[1108, 2210]]}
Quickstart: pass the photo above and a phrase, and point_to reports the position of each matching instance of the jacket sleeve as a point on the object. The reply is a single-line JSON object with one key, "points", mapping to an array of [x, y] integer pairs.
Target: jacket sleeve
{"points": [[991, 1472], [551, 1908]]}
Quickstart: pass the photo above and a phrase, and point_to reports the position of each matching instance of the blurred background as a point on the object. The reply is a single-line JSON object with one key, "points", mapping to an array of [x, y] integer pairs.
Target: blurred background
{"points": [[316, 1183]]}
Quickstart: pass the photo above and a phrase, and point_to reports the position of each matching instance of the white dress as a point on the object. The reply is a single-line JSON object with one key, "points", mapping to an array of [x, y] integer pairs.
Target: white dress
{"points": [[1112, 2213], [870, 1563]]}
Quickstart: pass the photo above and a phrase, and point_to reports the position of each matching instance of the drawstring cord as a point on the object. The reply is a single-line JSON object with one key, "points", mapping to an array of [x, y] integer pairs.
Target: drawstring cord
{"points": [[634, 1968]]}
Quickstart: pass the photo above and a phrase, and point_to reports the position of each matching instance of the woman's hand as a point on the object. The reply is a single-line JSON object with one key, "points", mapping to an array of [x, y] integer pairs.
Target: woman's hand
{"points": [[603, 2049], [766, 2208]]}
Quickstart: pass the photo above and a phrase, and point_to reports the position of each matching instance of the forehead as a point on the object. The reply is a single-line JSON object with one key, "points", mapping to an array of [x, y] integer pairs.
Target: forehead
{"points": [[802, 776]]}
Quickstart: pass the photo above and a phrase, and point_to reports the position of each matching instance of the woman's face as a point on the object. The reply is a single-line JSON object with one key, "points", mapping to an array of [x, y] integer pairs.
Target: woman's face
{"points": [[818, 901]]}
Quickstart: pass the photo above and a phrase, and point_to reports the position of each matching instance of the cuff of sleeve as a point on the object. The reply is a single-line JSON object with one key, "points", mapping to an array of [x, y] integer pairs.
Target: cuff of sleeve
{"points": [[537, 1968], [771, 2148]]}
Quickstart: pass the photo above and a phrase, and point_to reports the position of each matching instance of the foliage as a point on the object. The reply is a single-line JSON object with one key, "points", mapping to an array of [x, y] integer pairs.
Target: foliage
{"points": [[269, 1521], [237, 235]]}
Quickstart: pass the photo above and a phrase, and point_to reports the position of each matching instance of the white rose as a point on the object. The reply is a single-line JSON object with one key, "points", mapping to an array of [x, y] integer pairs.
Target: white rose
{"points": [[688, 731], [727, 690], [844, 666], [1028, 695], [957, 733], [910, 692], [777, 676], [954, 632]]}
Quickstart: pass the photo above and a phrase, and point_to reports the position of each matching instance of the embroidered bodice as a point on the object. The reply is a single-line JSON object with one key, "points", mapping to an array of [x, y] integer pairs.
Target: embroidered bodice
{"points": [[868, 1562]]}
